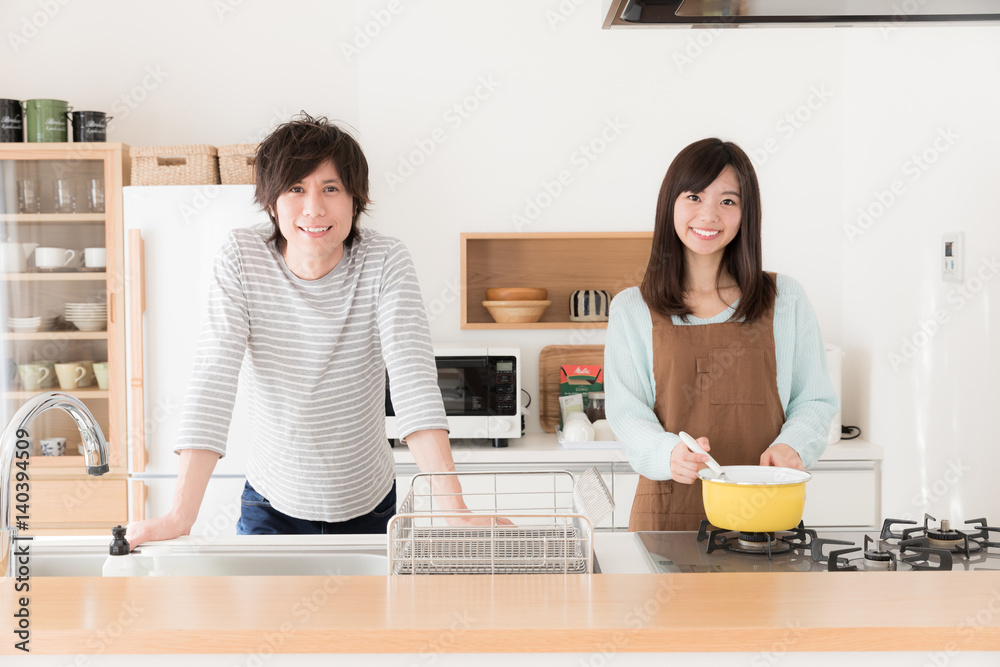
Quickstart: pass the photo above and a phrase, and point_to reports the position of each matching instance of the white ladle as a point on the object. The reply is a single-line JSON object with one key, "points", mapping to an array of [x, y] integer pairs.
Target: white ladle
{"points": [[693, 445]]}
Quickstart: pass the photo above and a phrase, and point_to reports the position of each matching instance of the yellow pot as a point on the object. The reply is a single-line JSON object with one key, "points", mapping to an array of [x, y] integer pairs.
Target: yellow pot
{"points": [[755, 499]]}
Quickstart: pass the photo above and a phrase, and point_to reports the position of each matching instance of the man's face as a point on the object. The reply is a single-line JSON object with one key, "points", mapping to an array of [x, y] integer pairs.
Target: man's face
{"points": [[314, 216]]}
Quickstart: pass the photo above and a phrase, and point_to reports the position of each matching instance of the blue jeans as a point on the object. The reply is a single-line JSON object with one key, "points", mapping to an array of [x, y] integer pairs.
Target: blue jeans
{"points": [[257, 517]]}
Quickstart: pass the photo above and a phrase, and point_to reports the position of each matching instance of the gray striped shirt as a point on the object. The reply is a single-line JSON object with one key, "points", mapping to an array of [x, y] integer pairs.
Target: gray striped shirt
{"points": [[317, 352]]}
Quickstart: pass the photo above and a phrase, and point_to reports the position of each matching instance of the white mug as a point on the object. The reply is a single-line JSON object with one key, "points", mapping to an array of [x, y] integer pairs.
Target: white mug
{"points": [[94, 258], [578, 431], [53, 258]]}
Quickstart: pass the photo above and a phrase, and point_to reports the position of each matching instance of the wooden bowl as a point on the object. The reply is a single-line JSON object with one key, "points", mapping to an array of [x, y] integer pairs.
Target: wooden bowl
{"points": [[517, 294], [516, 311]]}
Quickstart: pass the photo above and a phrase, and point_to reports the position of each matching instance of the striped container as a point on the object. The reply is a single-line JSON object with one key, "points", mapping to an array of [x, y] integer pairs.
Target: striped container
{"points": [[589, 305]]}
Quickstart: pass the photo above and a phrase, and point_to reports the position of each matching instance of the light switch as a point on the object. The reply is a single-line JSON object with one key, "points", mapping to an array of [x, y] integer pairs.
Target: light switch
{"points": [[953, 256]]}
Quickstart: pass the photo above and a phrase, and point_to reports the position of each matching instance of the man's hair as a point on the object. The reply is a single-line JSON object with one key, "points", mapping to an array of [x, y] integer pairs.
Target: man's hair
{"points": [[296, 149]]}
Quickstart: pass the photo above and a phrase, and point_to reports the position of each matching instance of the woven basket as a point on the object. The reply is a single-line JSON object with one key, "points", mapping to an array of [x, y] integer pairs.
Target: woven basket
{"points": [[236, 163], [190, 164]]}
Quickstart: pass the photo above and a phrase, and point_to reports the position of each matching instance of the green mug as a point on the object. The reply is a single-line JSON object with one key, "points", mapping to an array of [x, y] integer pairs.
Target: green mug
{"points": [[46, 121]]}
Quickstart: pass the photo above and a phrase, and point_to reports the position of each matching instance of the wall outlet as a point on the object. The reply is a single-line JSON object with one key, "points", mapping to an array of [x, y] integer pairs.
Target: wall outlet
{"points": [[952, 256]]}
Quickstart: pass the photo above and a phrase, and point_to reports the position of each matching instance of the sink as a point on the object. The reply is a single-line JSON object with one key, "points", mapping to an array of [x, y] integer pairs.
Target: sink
{"points": [[271, 555]]}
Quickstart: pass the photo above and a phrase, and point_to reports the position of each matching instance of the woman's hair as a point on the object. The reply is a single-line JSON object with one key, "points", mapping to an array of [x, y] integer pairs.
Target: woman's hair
{"points": [[296, 149], [693, 170]]}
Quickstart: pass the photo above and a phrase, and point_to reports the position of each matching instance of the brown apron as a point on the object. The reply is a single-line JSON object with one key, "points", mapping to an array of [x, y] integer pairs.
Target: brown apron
{"points": [[719, 381]]}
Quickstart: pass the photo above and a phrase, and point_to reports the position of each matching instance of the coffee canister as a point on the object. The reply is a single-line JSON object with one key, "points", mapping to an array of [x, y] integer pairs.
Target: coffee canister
{"points": [[11, 121], [46, 120], [90, 126], [589, 305]]}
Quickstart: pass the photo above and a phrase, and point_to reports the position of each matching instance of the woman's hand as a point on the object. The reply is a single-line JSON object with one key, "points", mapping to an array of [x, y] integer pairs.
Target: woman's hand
{"points": [[166, 527], [685, 464], [783, 456]]}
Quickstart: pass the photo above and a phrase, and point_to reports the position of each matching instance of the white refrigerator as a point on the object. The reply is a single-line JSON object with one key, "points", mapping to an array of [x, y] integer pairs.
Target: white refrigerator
{"points": [[183, 228]]}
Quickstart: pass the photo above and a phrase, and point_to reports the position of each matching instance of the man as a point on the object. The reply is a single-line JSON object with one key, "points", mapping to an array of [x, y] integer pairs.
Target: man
{"points": [[320, 308]]}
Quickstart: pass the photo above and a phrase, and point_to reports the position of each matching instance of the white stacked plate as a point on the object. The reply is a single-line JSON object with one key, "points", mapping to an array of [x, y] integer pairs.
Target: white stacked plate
{"points": [[48, 323], [24, 324], [87, 316]]}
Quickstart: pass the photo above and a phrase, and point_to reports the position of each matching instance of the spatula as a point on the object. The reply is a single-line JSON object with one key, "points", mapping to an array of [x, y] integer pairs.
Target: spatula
{"points": [[693, 445]]}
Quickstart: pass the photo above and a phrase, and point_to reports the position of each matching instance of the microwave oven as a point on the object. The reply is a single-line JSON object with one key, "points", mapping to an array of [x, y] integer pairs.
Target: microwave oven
{"points": [[481, 390]]}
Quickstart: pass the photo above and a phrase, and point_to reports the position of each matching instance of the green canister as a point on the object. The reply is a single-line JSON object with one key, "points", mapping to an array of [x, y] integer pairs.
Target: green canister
{"points": [[46, 121]]}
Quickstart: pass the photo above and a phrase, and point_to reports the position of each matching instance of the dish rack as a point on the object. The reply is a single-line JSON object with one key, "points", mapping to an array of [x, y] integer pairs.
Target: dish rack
{"points": [[529, 522]]}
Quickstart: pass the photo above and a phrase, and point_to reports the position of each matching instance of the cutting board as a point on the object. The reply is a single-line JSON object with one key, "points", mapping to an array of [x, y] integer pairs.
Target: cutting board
{"points": [[549, 361]]}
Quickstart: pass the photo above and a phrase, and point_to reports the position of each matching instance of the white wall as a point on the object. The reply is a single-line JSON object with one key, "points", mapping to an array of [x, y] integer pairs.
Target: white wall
{"points": [[829, 115]]}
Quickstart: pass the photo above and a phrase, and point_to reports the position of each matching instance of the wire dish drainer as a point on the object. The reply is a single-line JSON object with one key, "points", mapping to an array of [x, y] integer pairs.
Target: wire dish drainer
{"points": [[553, 517]]}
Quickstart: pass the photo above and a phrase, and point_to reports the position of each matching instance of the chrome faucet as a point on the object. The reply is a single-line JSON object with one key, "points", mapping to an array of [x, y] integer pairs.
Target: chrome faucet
{"points": [[95, 454]]}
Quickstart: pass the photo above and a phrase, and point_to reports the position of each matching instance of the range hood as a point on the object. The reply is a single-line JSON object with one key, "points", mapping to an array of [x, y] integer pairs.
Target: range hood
{"points": [[798, 13]]}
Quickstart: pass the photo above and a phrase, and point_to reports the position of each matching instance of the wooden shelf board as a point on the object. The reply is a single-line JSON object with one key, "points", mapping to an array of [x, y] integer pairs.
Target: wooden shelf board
{"points": [[68, 275], [52, 217], [79, 393], [535, 325], [56, 335]]}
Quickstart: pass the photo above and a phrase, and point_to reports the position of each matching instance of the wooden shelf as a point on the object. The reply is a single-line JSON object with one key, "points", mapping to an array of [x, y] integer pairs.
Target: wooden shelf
{"points": [[56, 335], [52, 217], [67, 275], [79, 393], [559, 262]]}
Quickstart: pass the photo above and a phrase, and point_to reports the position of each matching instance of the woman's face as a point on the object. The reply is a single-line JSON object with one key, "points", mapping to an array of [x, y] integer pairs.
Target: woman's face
{"points": [[707, 221]]}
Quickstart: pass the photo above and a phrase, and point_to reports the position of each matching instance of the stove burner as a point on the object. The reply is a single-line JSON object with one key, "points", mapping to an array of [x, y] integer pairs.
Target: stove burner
{"points": [[759, 543], [756, 543]]}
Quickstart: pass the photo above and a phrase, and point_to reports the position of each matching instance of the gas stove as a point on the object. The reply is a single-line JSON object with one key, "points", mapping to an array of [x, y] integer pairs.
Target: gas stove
{"points": [[901, 546]]}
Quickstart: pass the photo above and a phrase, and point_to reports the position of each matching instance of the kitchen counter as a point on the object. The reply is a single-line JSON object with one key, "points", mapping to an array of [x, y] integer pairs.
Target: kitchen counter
{"points": [[623, 610], [544, 448], [520, 613]]}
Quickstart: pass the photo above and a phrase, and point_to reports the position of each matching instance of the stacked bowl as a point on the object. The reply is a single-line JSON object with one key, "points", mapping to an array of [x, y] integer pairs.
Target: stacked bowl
{"points": [[516, 304], [88, 316], [24, 324]]}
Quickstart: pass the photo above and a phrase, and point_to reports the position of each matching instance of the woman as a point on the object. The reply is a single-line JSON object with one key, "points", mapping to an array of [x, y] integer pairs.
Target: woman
{"points": [[712, 345]]}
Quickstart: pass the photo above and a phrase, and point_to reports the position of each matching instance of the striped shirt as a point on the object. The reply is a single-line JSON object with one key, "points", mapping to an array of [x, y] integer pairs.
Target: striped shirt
{"points": [[316, 358], [804, 385]]}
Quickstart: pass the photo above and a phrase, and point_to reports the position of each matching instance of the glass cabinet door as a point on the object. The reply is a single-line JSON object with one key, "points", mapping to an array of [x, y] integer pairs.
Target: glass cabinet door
{"points": [[55, 283]]}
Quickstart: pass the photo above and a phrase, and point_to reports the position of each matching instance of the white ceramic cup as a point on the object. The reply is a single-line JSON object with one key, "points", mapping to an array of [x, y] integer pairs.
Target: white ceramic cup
{"points": [[53, 258], [577, 416], [53, 446], [95, 258], [603, 432], [578, 431]]}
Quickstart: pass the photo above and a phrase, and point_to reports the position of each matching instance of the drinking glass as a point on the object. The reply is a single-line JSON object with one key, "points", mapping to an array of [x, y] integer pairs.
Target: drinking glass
{"points": [[95, 195], [65, 200], [28, 200]]}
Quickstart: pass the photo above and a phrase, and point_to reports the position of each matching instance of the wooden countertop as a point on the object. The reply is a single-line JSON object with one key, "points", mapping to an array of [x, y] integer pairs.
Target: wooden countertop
{"points": [[609, 613]]}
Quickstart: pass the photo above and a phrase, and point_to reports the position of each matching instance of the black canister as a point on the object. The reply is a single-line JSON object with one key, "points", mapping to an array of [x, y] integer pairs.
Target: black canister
{"points": [[11, 121], [90, 126]]}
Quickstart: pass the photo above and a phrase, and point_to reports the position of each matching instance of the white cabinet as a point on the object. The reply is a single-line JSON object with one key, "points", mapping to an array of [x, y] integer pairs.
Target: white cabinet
{"points": [[842, 493]]}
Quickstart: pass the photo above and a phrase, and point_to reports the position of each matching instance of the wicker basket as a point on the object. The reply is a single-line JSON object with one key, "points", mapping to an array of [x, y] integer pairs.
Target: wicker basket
{"points": [[190, 164], [236, 163]]}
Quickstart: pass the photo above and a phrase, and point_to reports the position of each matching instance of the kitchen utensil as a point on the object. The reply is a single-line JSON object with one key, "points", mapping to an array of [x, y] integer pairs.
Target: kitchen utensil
{"points": [[516, 311], [94, 258], [71, 375], [11, 121], [90, 126], [549, 360], [517, 294], [693, 445], [33, 376], [755, 499], [46, 120], [555, 517], [589, 305], [14, 256]]}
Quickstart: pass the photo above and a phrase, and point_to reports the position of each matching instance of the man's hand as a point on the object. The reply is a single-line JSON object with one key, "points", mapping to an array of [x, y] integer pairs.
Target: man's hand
{"points": [[685, 464], [783, 456], [166, 527]]}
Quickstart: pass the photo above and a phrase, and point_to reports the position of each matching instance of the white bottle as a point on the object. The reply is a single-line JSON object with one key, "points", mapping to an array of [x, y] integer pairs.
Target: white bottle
{"points": [[120, 562]]}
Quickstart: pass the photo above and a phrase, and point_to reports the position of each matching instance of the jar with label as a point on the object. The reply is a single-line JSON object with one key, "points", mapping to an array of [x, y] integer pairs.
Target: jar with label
{"points": [[595, 406]]}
